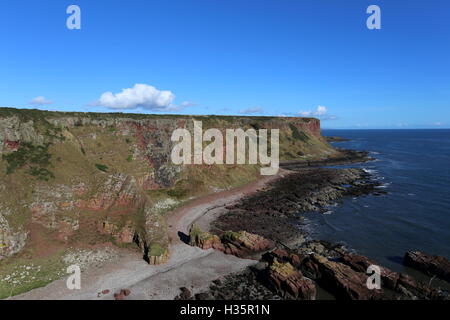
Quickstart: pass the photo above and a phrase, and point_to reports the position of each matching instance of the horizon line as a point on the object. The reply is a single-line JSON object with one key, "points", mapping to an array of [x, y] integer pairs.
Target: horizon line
{"points": [[228, 115]]}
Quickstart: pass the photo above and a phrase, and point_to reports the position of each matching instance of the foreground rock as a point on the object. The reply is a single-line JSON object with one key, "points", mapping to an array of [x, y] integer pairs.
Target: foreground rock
{"points": [[241, 244], [204, 240], [340, 279], [289, 283], [345, 275], [244, 244], [361, 264], [431, 265], [122, 294]]}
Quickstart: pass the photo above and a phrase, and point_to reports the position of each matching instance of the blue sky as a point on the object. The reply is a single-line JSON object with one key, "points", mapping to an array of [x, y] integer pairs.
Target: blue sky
{"points": [[266, 57]]}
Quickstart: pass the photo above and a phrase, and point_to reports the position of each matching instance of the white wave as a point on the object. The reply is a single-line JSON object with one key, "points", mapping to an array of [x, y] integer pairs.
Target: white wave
{"points": [[371, 171], [384, 185]]}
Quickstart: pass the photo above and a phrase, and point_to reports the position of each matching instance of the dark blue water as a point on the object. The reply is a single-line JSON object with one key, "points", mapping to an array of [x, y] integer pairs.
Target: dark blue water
{"points": [[414, 167]]}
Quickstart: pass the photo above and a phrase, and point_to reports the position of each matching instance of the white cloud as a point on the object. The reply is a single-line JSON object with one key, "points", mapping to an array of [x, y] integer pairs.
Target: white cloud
{"points": [[140, 96], [186, 104], [251, 110], [40, 101], [321, 112]]}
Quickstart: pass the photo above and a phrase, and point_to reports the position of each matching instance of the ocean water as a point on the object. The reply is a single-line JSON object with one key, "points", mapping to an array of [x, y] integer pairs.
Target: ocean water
{"points": [[414, 167]]}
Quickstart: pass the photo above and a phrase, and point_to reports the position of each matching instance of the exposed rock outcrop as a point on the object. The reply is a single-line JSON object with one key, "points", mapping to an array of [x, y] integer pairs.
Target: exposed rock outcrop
{"points": [[11, 241], [241, 244], [341, 280], [361, 264], [244, 244], [288, 282], [204, 240]]}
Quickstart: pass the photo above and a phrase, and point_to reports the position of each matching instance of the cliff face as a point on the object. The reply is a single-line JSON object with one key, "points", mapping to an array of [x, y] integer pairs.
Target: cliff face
{"points": [[83, 179]]}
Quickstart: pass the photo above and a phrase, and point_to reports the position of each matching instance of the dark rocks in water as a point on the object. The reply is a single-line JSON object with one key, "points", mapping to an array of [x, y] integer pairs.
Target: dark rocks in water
{"points": [[268, 212], [204, 240], [412, 289], [361, 263], [341, 280], [336, 139], [431, 265], [293, 274], [344, 156], [403, 285], [323, 248]]}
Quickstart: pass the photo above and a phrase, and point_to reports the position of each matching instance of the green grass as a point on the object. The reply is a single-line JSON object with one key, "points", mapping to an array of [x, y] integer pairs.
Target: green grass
{"points": [[19, 275], [42, 115], [102, 167], [197, 233], [299, 135], [231, 236], [156, 250], [36, 159]]}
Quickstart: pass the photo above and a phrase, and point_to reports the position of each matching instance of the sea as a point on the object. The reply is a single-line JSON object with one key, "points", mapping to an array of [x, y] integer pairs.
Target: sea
{"points": [[414, 214]]}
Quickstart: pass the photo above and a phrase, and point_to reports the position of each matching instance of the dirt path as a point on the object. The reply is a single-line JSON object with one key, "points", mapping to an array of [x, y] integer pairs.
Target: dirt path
{"points": [[187, 267], [202, 208]]}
